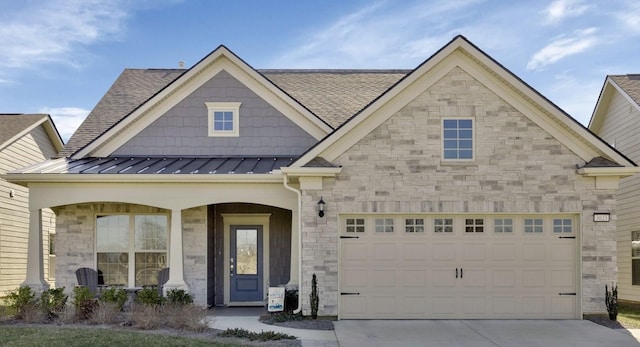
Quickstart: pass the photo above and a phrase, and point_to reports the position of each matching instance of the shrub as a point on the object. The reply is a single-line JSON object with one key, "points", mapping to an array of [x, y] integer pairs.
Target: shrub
{"points": [[117, 296], [22, 301], [147, 317], [290, 299], [179, 297], [53, 302], [314, 297], [261, 336], [611, 300], [148, 296], [84, 302], [185, 317], [105, 313]]}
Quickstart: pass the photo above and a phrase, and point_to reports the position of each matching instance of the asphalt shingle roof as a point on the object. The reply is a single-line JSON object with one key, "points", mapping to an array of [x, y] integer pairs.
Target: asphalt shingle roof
{"points": [[630, 84], [332, 95], [12, 124]]}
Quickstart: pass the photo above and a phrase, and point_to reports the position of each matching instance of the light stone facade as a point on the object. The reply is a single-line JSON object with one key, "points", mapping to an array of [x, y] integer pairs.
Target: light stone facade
{"points": [[518, 168], [76, 242]]}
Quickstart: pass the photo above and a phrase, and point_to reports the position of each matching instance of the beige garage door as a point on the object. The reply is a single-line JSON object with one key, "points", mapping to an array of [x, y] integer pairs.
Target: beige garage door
{"points": [[458, 267]]}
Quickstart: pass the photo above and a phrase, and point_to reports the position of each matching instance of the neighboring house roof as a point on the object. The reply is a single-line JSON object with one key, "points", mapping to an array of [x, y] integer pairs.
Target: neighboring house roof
{"points": [[13, 126], [462, 53], [627, 85]]}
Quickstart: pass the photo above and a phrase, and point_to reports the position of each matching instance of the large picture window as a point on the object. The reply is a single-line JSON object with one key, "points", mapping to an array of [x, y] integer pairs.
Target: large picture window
{"points": [[131, 249]]}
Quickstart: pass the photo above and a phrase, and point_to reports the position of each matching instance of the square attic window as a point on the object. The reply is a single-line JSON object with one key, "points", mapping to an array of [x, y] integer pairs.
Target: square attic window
{"points": [[223, 118]]}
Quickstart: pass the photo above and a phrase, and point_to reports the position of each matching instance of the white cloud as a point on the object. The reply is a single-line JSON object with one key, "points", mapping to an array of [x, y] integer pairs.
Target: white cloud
{"points": [[66, 119], [561, 9], [379, 35], [54, 30], [563, 47], [630, 16]]}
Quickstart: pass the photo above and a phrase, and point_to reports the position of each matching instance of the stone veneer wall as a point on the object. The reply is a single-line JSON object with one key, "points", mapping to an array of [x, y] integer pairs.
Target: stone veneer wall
{"points": [[75, 244], [397, 168]]}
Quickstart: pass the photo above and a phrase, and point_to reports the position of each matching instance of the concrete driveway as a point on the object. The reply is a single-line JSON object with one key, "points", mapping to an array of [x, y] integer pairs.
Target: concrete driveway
{"points": [[479, 333]]}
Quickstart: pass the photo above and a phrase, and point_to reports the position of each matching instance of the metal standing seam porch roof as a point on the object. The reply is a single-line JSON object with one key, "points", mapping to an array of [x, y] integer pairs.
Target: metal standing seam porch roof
{"points": [[162, 165]]}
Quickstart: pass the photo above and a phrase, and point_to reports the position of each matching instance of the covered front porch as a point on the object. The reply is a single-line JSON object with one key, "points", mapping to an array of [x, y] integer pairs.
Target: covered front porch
{"points": [[206, 228]]}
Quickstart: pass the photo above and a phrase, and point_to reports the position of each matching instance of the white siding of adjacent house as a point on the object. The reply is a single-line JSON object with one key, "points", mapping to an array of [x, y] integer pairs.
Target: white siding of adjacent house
{"points": [[621, 128], [14, 211]]}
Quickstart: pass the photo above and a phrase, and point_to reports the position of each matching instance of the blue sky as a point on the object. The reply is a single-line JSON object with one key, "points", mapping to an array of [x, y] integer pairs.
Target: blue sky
{"points": [[60, 57]]}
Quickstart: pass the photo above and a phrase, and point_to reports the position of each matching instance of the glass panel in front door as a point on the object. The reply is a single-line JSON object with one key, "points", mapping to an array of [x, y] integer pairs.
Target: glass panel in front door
{"points": [[247, 251]]}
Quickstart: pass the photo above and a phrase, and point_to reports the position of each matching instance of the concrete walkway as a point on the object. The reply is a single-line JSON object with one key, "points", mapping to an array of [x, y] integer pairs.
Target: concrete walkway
{"points": [[480, 333], [309, 338]]}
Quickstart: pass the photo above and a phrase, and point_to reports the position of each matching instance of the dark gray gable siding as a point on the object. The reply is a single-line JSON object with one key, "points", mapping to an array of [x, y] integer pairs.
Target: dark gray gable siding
{"points": [[183, 129]]}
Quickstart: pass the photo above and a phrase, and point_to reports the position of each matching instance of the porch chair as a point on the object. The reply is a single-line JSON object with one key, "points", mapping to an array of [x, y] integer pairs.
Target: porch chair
{"points": [[163, 277], [88, 277]]}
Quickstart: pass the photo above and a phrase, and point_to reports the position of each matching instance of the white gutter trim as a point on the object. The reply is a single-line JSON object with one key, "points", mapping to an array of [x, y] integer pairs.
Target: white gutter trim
{"points": [[311, 171], [134, 178], [299, 194]]}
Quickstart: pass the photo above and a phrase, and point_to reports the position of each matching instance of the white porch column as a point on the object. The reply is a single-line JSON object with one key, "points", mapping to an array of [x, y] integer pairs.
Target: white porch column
{"points": [[176, 256], [35, 258]]}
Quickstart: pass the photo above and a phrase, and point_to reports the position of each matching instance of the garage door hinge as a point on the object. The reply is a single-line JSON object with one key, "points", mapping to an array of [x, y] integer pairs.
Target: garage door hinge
{"points": [[343, 293], [566, 237], [349, 237], [566, 293]]}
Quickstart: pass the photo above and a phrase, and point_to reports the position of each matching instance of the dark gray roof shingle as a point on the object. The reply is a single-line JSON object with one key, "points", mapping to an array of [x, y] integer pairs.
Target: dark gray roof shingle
{"points": [[332, 95], [630, 84], [12, 124]]}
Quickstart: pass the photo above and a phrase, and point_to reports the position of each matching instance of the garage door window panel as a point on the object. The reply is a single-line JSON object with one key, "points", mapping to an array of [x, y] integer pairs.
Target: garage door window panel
{"points": [[384, 225], [355, 225], [414, 225], [503, 225], [562, 226], [443, 225], [474, 225], [533, 225]]}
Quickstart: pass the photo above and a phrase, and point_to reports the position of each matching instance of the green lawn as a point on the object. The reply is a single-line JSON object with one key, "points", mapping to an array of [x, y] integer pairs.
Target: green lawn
{"points": [[629, 314], [56, 336]]}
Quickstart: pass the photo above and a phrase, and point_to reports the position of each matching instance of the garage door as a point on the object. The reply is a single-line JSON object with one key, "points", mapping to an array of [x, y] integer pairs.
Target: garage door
{"points": [[458, 267]]}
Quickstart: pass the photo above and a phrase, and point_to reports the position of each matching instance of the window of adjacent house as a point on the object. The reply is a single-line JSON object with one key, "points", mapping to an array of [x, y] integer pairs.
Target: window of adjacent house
{"points": [[635, 257], [533, 225], [384, 225], [503, 225], [131, 249], [414, 225], [443, 225], [355, 225], [562, 225], [458, 139], [475, 225], [224, 118]]}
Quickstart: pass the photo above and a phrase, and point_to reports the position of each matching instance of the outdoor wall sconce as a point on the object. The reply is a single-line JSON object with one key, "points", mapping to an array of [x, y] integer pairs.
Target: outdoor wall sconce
{"points": [[321, 206], [601, 216]]}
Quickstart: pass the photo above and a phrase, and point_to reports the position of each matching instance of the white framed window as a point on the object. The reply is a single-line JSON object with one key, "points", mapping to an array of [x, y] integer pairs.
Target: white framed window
{"points": [[355, 225], [224, 118], [533, 225], [384, 225], [131, 249], [52, 255], [457, 136], [443, 225], [414, 225]]}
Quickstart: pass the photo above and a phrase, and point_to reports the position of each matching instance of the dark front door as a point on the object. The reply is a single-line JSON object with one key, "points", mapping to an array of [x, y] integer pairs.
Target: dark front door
{"points": [[246, 263]]}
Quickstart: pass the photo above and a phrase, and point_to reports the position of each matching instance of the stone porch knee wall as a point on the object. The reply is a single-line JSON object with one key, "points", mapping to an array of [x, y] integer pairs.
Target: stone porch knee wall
{"points": [[75, 243], [518, 168]]}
